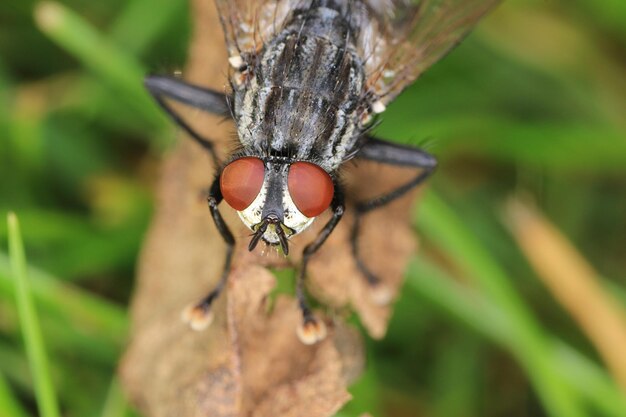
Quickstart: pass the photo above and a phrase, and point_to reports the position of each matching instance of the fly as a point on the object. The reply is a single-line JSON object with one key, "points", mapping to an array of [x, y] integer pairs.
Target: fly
{"points": [[307, 79]]}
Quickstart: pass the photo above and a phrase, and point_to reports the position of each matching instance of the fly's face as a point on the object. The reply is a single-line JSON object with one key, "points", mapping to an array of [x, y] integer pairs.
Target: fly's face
{"points": [[276, 198]]}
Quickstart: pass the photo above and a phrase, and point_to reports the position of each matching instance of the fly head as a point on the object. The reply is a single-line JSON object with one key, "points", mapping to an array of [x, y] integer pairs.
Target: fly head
{"points": [[276, 197]]}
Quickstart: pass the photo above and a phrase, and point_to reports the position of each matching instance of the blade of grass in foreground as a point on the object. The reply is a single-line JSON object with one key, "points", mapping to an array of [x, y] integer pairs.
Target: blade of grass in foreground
{"points": [[35, 350], [439, 223], [154, 15], [8, 404], [118, 69], [469, 307], [115, 404], [81, 308]]}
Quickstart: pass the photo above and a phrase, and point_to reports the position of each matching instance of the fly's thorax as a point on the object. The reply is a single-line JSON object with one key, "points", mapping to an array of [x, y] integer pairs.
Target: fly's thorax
{"points": [[304, 92]]}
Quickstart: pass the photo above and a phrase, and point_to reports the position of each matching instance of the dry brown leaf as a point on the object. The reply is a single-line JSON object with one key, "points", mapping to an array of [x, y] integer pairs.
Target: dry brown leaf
{"points": [[282, 376], [249, 362]]}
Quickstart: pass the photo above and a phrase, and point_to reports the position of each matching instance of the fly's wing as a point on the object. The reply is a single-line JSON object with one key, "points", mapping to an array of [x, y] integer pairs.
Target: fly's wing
{"points": [[248, 23], [416, 34], [397, 39]]}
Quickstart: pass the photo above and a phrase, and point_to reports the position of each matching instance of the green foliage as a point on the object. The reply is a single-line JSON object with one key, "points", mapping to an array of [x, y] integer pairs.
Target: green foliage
{"points": [[29, 323], [531, 103]]}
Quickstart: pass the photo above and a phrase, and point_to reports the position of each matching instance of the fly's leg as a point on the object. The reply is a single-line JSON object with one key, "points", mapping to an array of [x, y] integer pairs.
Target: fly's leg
{"points": [[313, 330], [195, 96], [199, 315], [202, 98], [392, 154]]}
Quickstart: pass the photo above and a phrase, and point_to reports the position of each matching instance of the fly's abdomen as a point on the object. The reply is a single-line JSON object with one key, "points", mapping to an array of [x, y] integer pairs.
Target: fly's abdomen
{"points": [[305, 94]]}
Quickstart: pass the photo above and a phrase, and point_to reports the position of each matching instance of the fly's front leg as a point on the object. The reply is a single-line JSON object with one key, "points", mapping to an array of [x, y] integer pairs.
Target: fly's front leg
{"points": [[199, 315], [202, 98], [387, 153], [313, 330]]}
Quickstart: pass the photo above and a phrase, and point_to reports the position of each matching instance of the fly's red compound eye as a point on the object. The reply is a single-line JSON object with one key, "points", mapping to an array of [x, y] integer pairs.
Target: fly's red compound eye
{"points": [[310, 187], [241, 181]]}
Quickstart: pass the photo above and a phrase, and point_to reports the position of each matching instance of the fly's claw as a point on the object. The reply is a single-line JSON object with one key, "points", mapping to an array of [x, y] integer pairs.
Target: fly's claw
{"points": [[311, 331], [380, 294], [198, 316]]}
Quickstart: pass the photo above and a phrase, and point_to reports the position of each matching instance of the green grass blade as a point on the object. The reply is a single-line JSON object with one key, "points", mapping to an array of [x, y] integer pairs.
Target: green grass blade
{"points": [[155, 17], [117, 69], [463, 304], [115, 404], [590, 380], [82, 309], [124, 29], [439, 223], [35, 350], [466, 306], [14, 366], [9, 405]]}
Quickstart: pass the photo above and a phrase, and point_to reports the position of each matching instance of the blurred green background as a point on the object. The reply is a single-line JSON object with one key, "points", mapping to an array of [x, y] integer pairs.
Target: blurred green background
{"points": [[533, 104]]}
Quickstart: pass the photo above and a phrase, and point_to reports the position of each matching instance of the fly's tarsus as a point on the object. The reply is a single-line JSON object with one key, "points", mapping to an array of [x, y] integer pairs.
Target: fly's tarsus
{"points": [[199, 316], [312, 330]]}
